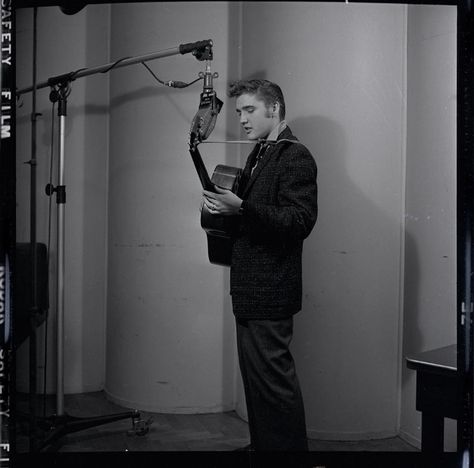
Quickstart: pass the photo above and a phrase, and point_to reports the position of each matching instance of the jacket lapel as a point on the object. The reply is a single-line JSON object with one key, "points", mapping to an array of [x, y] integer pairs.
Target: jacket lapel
{"points": [[263, 162], [272, 150], [247, 170]]}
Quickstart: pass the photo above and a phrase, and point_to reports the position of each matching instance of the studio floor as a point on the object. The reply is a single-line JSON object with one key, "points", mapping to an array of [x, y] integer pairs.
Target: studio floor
{"points": [[166, 432]]}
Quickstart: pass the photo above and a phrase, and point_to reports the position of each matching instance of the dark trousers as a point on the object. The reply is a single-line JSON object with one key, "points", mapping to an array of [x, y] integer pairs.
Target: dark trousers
{"points": [[272, 392]]}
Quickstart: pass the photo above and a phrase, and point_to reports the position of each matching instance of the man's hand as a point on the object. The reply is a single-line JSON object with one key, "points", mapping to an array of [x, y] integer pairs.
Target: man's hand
{"points": [[224, 202]]}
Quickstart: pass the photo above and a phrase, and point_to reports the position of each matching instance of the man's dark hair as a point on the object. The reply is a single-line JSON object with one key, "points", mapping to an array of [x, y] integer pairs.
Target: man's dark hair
{"points": [[267, 91]]}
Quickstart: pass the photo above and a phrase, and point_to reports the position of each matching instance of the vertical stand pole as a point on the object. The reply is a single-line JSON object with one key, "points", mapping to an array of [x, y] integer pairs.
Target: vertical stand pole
{"points": [[61, 200]]}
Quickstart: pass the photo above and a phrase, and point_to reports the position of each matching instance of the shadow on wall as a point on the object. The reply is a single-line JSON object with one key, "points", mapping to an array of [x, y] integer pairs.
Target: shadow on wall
{"points": [[347, 336]]}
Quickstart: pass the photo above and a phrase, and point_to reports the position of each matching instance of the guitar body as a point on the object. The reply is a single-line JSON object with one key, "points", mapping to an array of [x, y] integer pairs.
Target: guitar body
{"points": [[219, 228]]}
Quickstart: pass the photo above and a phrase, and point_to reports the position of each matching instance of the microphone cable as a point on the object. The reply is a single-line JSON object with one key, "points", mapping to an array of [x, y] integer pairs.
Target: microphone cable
{"points": [[170, 83]]}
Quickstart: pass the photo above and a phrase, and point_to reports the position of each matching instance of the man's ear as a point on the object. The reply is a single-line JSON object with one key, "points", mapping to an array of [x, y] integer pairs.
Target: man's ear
{"points": [[276, 109]]}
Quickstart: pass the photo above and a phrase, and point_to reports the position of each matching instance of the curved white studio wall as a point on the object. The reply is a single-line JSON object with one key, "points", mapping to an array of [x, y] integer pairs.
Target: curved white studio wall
{"points": [[342, 69], [170, 345]]}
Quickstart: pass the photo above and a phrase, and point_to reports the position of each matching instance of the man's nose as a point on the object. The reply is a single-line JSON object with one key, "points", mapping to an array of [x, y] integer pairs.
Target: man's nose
{"points": [[243, 119]]}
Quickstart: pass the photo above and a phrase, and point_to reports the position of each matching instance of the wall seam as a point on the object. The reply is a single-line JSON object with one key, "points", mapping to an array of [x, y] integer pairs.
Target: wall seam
{"points": [[403, 176], [107, 168]]}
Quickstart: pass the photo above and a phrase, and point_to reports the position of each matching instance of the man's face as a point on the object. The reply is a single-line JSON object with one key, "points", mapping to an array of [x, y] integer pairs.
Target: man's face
{"points": [[255, 117]]}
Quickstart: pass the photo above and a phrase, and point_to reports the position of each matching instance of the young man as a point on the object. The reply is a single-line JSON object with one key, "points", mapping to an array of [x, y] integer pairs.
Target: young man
{"points": [[277, 205]]}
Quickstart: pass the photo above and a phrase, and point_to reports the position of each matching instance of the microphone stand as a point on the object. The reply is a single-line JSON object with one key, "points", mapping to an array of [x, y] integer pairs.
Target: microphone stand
{"points": [[61, 423]]}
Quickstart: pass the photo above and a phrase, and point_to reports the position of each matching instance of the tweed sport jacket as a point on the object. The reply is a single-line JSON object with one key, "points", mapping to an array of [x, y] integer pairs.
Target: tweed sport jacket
{"points": [[280, 209]]}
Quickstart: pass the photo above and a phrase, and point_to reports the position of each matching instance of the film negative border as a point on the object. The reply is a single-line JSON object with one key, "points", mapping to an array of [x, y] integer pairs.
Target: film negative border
{"points": [[7, 226], [465, 221]]}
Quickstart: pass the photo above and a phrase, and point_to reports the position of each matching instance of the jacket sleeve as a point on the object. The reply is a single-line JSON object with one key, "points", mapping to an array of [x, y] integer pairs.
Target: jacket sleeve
{"points": [[296, 211]]}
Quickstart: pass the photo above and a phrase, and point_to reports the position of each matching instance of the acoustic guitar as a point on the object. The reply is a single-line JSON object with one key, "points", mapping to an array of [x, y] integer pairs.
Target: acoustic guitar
{"points": [[218, 228]]}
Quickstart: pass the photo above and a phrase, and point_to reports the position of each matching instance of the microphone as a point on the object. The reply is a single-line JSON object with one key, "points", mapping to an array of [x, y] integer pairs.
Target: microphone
{"points": [[209, 106]]}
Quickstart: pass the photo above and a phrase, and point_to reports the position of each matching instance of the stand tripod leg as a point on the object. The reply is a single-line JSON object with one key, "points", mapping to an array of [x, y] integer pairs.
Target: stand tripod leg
{"points": [[64, 424]]}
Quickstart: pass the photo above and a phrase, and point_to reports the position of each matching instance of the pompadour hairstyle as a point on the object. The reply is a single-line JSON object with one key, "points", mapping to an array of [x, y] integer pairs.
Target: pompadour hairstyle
{"points": [[267, 91]]}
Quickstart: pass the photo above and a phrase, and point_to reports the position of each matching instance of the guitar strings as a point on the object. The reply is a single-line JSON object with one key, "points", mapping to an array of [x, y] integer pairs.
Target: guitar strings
{"points": [[250, 142], [231, 142]]}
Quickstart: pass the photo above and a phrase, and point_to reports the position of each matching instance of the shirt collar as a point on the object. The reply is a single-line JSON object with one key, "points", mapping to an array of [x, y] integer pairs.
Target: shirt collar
{"points": [[273, 136]]}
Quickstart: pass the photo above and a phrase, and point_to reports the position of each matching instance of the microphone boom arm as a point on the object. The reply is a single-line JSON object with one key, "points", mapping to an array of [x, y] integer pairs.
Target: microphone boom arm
{"points": [[199, 49]]}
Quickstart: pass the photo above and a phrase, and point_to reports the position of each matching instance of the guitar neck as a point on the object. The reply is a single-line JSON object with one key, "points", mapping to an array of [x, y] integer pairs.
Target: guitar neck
{"points": [[201, 169]]}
